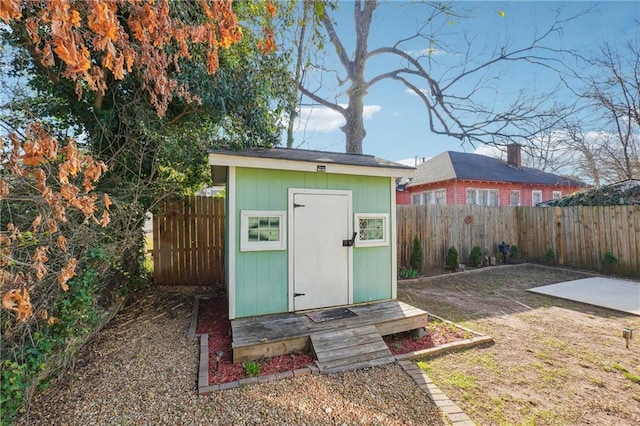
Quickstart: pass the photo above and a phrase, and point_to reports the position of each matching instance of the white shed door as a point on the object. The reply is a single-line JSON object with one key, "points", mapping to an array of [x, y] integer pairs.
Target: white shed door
{"points": [[320, 261]]}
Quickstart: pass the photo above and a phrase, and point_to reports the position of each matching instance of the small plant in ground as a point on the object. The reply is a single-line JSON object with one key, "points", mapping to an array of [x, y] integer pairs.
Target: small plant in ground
{"points": [[451, 261], [609, 261], [550, 256], [252, 369], [416, 259], [408, 273], [475, 258], [514, 253]]}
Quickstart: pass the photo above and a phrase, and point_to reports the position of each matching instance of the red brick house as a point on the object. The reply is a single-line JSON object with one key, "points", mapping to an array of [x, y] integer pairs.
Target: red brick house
{"points": [[463, 178]]}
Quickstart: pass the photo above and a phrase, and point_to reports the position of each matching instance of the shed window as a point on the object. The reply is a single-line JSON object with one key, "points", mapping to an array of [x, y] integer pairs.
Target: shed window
{"points": [[556, 195], [262, 230], [372, 229]]}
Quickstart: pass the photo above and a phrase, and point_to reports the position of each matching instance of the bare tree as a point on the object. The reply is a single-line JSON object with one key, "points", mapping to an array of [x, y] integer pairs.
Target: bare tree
{"points": [[452, 108], [613, 94]]}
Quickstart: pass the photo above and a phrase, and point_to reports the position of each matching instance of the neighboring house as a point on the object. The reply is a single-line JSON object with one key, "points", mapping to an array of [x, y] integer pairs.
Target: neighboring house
{"points": [[626, 192], [463, 178], [307, 229], [210, 191]]}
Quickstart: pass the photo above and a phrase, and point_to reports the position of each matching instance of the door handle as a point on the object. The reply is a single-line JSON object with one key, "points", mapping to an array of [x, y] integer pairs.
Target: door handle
{"points": [[351, 242]]}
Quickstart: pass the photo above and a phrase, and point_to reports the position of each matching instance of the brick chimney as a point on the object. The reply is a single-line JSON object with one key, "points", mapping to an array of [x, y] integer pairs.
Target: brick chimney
{"points": [[514, 155]]}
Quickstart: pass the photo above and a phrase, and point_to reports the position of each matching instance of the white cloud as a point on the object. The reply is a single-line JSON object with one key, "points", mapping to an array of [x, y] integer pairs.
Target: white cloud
{"points": [[412, 161], [488, 150], [321, 119], [411, 92]]}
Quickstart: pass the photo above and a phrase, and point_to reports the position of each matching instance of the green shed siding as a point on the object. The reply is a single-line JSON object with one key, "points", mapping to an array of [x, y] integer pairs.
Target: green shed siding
{"points": [[261, 281]]}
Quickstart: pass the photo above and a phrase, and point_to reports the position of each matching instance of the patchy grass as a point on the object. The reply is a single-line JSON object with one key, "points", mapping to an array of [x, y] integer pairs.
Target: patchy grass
{"points": [[554, 361]]}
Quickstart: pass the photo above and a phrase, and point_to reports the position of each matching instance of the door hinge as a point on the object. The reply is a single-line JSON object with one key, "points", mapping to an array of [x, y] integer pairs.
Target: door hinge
{"points": [[297, 205], [298, 294]]}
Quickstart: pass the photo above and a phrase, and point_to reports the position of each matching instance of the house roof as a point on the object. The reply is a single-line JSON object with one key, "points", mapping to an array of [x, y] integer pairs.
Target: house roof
{"points": [[626, 192], [462, 165], [308, 160]]}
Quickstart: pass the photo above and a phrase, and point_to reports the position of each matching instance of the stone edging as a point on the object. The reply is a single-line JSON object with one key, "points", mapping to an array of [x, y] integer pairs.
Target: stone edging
{"points": [[455, 414]]}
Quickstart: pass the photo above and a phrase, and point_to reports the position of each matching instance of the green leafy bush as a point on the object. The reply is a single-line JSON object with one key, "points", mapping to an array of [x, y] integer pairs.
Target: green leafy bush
{"points": [[252, 369], [416, 259], [514, 252], [408, 273], [609, 261], [451, 261], [475, 258], [550, 256]]}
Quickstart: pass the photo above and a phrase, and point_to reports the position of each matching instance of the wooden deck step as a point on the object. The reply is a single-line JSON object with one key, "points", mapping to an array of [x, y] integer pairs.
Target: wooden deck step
{"points": [[350, 349]]}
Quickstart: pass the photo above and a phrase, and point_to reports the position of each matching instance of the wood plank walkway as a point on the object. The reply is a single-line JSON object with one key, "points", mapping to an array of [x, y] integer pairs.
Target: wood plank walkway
{"points": [[266, 336], [350, 349]]}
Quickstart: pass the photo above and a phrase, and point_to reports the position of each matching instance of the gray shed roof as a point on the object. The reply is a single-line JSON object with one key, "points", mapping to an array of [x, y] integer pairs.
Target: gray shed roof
{"points": [[462, 165], [305, 155]]}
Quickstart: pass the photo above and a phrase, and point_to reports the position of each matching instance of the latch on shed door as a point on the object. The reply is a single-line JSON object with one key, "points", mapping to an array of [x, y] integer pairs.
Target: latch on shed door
{"points": [[298, 294], [351, 242]]}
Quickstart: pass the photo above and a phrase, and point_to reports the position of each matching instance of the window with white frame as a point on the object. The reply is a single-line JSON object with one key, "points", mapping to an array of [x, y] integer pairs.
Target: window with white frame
{"points": [[515, 198], [372, 229], [438, 196], [556, 194], [536, 197], [262, 230], [482, 197]]}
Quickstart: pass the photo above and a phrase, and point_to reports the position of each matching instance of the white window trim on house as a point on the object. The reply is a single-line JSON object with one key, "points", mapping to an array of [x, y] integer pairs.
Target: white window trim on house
{"points": [[533, 196], [514, 192], [432, 195], [246, 245], [478, 191], [384, 241], [556, 194]]}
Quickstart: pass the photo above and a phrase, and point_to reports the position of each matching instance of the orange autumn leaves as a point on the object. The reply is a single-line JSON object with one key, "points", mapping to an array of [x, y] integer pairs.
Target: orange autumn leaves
{"points": [[62, 178], [98, 39]]}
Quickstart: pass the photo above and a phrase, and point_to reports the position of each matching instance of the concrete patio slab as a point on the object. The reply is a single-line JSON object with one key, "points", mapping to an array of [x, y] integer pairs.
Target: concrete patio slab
{"points": [[617, 294]]}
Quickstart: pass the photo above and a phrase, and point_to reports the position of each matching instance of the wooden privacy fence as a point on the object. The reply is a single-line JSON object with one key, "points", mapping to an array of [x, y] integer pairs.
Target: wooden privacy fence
{"points": [[578, 236], [188, 242], [188, 236], [463, 227]]}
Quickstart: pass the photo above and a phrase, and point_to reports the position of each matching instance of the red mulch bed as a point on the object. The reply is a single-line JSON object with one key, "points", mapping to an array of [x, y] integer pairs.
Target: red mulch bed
{"points": [[438, 333], [213, 319]]}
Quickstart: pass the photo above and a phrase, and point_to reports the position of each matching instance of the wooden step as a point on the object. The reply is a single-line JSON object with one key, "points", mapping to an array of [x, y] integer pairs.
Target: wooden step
{"points": [[350, 349]]}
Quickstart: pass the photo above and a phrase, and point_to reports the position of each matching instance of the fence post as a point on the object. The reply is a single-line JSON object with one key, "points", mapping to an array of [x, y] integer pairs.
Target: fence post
{"points": [[559, 242]]}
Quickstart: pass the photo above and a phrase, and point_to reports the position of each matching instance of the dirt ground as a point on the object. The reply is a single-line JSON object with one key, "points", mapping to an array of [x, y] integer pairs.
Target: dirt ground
{"points": [[553, 361]]}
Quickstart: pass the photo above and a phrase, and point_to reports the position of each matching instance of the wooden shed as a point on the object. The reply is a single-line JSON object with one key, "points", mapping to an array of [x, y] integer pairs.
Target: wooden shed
{"points": [[307, 229]]}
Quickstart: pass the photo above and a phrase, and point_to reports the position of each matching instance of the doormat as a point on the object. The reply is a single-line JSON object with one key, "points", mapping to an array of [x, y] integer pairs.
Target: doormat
{"points": [[331, 314]]}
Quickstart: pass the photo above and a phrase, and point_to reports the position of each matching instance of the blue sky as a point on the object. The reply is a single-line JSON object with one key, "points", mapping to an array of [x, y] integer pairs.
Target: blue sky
{"points": [[396, 125]]}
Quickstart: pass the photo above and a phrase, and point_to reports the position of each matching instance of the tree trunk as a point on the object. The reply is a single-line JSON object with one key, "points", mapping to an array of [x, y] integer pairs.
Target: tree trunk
{"points": [[354, 116], [353, 129]]}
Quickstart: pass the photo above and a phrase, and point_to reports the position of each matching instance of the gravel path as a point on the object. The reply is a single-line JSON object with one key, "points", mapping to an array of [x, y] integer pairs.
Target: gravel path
{"points": [[142, 370]]}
